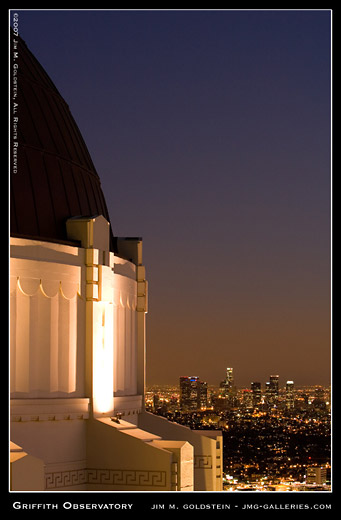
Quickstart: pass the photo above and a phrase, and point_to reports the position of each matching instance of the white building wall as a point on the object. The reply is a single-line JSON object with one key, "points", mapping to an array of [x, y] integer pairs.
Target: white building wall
{"points": [[49, 292], [47, 314], [125, 360], [77, 358], [47, 320]]}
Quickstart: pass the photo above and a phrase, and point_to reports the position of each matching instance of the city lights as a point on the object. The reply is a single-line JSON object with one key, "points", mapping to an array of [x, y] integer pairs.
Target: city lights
{"points": [[276, 437]]}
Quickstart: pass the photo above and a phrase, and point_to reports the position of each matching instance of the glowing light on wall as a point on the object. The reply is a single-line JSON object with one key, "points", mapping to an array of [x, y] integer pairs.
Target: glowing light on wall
{"points": [[103, 352]]}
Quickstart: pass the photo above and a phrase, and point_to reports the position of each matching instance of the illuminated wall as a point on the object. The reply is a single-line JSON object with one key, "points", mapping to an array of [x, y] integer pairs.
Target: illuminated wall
{"points": [[73, 320], [46, 316], [78, 360]]}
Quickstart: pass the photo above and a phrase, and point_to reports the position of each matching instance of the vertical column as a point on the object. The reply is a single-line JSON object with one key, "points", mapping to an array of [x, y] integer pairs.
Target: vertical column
{"points": [[94, 235], [120, 354], [102, 358], [13, 339], [99, 338], [22, 342], [91, 295], [67, 343], [132, 248], [116, 311], [54, 343], [142, 309]]}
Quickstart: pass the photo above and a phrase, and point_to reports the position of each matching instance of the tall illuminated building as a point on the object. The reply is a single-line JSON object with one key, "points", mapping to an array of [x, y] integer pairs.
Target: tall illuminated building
{"points": [[78, 305], [272, 391], [256, 394], [189, 393], [229, 380], [203, 398], [290, 395], [227, 384], [193, 394], [274, 386]]}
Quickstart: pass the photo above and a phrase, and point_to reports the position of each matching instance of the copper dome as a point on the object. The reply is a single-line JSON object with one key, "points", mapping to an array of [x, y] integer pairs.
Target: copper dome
{"points": [[52, 177]]}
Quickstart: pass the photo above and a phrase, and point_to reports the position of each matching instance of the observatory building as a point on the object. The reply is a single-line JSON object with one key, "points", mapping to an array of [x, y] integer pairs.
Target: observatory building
{"points": [[78, 304]]}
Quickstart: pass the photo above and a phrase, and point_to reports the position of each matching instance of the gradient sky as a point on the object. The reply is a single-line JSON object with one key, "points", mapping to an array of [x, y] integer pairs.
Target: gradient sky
{"points": [[210, 131]]}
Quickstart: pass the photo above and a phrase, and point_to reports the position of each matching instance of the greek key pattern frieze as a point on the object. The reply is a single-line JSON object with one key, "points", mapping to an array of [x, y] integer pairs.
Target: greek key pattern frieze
{"points": [[202, 462], [109, 477], [75, 477]]}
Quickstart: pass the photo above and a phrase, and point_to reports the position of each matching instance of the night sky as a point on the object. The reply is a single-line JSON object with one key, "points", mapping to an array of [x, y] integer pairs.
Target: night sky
{"points": [[210, 131]]}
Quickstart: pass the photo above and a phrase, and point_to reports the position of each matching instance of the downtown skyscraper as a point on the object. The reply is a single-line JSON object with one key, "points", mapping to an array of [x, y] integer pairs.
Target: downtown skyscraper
{"points": [[193, 393]]}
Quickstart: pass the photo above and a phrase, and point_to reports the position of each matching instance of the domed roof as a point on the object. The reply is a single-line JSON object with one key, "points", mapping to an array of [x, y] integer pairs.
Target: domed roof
{"points": [[52, 177]]}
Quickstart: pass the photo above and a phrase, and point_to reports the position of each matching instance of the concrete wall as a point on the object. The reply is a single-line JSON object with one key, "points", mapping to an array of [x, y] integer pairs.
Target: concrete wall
{"points": [[26, 472], [124, 460], [207, 449]]}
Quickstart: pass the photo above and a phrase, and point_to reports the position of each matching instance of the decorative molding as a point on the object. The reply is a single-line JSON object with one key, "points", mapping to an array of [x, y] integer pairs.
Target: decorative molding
{"points": [[202, 462], [105, 477], [58, 479], [125, 477], [49, 417], [26, 410], [30, 286]]}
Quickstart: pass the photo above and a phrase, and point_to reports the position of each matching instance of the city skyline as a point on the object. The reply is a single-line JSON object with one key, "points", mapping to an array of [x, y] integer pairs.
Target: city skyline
{"points": [[283, 381], [210, 131], [274, 440]]}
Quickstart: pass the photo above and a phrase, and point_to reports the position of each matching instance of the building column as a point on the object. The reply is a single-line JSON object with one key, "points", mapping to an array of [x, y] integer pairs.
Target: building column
{"points": [[93, 234]]}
